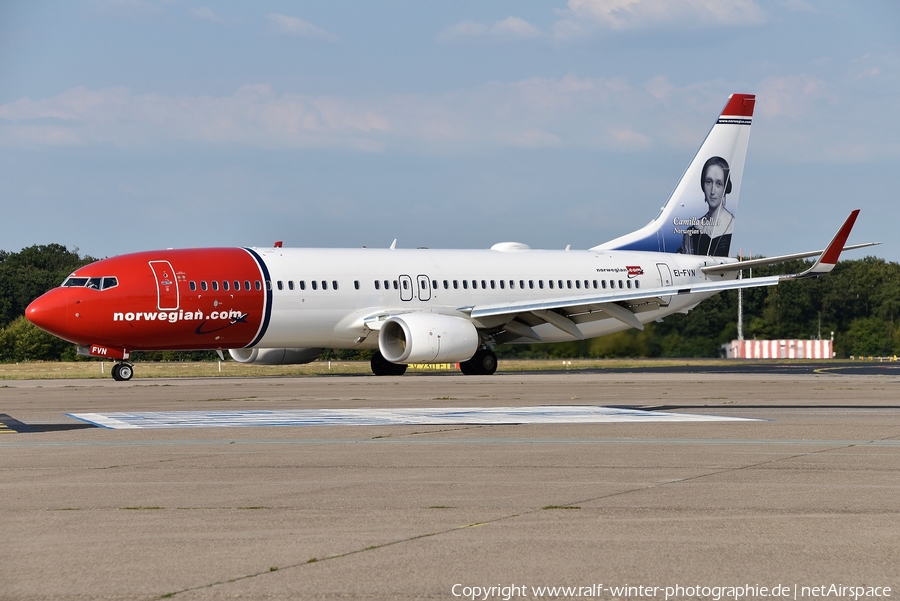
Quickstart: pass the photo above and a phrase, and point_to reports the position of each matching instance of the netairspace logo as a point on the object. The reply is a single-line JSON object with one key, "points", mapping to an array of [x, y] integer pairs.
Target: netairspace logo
{"points": [[713, 593]]}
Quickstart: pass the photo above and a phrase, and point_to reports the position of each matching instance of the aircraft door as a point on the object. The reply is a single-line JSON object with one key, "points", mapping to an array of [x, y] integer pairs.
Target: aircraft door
{"points": [[406, 288], [424, 287], [166, 285], [665, 280]]}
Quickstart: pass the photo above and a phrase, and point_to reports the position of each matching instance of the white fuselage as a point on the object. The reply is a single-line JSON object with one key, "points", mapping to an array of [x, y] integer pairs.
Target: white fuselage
{"points": [[372, 282]]}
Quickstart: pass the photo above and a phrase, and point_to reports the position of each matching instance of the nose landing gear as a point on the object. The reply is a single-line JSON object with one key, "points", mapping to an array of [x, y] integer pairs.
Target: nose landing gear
{"points": [[122, 372]]}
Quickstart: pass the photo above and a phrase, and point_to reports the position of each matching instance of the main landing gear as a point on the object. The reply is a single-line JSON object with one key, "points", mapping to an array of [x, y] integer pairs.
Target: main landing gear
{"points": [[482, 363], [122, 372], [383, 367]]}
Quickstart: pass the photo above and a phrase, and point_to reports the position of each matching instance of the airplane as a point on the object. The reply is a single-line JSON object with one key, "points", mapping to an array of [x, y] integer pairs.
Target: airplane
{"points": [[285, 305]]}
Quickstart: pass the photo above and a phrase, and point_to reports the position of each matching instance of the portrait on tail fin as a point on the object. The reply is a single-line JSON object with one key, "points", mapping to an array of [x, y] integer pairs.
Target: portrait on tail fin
{"points": [[711, 233]]}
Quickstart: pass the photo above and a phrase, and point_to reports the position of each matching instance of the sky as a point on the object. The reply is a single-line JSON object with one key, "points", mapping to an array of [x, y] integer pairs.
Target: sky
{"points": [[130, 125]]}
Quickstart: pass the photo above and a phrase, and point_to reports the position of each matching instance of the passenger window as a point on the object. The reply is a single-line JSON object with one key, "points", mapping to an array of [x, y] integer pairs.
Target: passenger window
{"points": [[405, 285], [290, 284], [215, 284], [595, 284], [314, 285], [578, 284], [531, 284], [569, 284], [395, 285], [302, 284], [203, 285], [466, 284], [483, 285], [560, 284], [474, 284], [247, 285], [550, 283], [629, 283], [237, 285], [512, 284], [324, 285], [334, 285], [493, 284], [280, 285], [356, 284], [502, 284], [586, 285], [603, 283], [455, 284], [387, 285], [269, 285], [377, 285], [637, 283], [522, 284], [193, 285], [225, 285], [446, 285], [541, 284], [620, 284], [434, 284]]}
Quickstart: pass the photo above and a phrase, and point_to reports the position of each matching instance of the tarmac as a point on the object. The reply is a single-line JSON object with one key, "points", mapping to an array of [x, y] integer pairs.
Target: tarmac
{"points": [[805, 495]]}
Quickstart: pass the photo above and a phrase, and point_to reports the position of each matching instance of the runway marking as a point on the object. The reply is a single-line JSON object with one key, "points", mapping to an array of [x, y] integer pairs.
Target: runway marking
{"points": [[577, 414]]}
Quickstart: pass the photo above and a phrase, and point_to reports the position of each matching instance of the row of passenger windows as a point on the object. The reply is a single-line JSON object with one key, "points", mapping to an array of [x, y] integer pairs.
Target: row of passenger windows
{"points": [[405, 284], [530, 284]]}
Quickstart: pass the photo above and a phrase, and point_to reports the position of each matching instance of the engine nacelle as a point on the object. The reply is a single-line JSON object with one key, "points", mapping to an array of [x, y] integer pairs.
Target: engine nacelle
{"points": [[275, 356], [427, 338]]}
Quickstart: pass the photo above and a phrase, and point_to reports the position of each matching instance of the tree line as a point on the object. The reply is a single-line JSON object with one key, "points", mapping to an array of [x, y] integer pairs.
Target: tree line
{"points": [[859, 301]]}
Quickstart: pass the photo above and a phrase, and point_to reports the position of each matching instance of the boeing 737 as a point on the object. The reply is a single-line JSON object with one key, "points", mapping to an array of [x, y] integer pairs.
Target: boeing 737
{"points": [[285, 305]]}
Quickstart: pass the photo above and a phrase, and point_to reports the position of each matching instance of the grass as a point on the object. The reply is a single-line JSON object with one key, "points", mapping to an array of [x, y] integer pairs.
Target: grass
{"points": [[99, 370]]}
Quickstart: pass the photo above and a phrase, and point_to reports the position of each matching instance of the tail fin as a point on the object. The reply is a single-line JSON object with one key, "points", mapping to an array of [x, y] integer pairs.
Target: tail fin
{"points": [[699, 217]]}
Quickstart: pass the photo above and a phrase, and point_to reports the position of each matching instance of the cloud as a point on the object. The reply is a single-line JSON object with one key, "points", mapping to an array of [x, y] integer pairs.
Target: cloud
{"points": [[584, 15], [510, 28], [809, 119], [205, 13], [288, 25]]}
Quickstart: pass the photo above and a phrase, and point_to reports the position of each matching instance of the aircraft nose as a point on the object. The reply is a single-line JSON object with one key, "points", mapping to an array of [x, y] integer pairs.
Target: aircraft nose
{"points": [[49, 312]]}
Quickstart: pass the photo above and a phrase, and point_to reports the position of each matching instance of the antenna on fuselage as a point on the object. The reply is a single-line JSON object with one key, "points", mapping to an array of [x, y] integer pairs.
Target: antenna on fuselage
{"points": [[394, 244]]}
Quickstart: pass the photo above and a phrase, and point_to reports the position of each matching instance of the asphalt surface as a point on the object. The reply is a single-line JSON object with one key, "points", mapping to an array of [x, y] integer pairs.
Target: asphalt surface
{"points": [[807, 496]]}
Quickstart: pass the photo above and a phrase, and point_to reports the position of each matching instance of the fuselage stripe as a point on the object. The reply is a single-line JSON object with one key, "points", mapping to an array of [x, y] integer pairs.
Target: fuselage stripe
{"points": [[267, 287]]}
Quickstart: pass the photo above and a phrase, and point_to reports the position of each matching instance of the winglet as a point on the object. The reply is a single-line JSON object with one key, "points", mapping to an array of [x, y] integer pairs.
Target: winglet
{"points": [[830, 255]]}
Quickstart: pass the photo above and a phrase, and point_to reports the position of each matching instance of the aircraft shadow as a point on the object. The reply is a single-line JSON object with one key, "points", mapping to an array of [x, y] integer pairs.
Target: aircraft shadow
{"points": [[22, 428]]}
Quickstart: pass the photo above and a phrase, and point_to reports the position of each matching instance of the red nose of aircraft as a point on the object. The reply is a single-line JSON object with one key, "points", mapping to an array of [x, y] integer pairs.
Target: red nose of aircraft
{"points": [[50, 312]]}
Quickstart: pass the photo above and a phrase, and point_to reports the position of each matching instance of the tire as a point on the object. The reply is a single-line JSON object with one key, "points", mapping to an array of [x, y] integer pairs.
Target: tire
{"points": [[126, 372], [482, 363], [383, 367], [115, 372]]}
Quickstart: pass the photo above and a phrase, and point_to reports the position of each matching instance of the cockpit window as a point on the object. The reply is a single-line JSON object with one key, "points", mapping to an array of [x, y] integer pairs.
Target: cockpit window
{"points": [[101, 283]]}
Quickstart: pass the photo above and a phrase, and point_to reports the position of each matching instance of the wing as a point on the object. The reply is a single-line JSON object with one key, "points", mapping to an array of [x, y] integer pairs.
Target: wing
{"points": [[516, 319]]}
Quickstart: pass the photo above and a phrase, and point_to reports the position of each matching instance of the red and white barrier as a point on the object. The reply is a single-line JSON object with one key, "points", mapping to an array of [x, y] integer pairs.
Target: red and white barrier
{"points": [[780, 349]]}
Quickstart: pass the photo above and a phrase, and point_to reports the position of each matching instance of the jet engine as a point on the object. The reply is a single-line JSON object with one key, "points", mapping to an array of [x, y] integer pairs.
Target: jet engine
{"points": [[275, 356], [427, 338]]}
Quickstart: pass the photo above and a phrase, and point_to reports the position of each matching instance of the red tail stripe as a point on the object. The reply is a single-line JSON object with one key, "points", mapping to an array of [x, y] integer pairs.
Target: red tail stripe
{"points": [[740, 105]]}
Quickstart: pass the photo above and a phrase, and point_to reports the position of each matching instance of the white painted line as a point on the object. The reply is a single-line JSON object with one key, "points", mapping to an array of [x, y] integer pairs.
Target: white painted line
{"points": [[573, 414]]}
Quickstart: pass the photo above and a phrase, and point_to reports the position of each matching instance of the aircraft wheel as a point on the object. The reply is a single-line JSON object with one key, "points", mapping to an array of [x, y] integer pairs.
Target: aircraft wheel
{"points": [[482, 363], [383, 367], [122, 372]]}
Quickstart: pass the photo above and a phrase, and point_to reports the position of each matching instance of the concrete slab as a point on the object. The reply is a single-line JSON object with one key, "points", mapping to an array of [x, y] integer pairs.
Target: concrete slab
{"points": [[807, 496]]}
